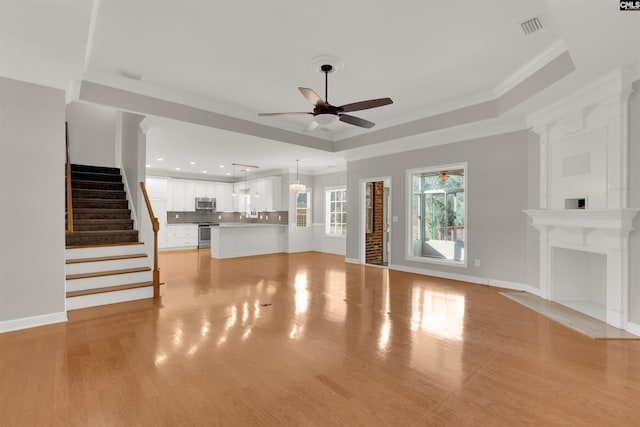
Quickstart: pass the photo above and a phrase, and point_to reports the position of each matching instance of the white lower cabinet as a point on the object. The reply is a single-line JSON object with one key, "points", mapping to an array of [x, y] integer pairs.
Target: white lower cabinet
{"points": [[182, 236]]}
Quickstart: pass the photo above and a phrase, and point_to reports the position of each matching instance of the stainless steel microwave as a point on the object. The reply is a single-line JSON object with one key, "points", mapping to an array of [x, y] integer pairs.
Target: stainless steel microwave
{"points": [[205, 204]]}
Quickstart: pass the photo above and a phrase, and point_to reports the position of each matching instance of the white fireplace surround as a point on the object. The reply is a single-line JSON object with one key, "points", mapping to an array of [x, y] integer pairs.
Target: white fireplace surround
{"points": [[584, 157], [602, 231]]}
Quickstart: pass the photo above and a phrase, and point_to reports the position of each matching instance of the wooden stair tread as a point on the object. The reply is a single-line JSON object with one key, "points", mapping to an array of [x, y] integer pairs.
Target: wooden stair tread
{"points": [[107, 273], [104, 245], [105, 258], [109, 289], [106, 220], [105, 231]]}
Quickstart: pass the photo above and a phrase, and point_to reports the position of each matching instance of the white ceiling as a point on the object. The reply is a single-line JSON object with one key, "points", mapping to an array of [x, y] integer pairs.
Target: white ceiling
{"points": [[241, 58], [178, 144]]}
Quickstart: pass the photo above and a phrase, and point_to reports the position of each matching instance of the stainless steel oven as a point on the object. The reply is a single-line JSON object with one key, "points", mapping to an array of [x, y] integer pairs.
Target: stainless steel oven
{"points": [[204, 235]]}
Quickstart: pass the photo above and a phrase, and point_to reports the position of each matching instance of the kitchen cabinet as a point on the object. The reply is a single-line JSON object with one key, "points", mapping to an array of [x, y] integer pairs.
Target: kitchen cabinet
{"points": [[182, 236], [269, 199], [270, 190], [206, 189], [156, 188], [182, 195], [224, 201]]}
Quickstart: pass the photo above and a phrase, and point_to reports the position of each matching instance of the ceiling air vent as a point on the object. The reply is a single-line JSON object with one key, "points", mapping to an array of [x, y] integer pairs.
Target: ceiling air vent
{"points": [[531, 26]]}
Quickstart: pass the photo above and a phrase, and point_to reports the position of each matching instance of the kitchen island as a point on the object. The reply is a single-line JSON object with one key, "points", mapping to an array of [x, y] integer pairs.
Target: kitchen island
{"points": [[242, 239]]}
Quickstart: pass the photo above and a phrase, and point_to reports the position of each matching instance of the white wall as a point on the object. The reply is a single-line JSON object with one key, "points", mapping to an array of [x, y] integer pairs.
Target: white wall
{"points": [[32, 189], [634, 202], [497, 193], [92, 134], [133, 157]]}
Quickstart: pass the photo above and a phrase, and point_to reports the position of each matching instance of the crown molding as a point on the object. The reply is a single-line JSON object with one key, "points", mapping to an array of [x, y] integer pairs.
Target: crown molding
{"points": [[531, 67], [441, 137], [611, 85]]}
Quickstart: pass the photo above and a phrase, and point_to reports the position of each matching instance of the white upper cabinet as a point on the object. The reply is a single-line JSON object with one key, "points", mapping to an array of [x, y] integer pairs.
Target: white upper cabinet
{"points": [[181, 195], [270, 190], [224, 201], [156, 188], [206, 189]]}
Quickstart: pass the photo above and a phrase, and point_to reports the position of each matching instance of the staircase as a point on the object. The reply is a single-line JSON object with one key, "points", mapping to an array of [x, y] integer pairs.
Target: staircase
{"points": [[105, 263]]}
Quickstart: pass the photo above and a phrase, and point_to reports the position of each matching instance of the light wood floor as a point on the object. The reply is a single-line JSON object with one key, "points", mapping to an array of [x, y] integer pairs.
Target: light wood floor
{"points": [[340, 344]]}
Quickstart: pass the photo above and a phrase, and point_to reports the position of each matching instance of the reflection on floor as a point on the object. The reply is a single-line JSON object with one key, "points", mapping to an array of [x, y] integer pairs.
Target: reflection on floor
{"points": [[582, 323], [307, 339]]}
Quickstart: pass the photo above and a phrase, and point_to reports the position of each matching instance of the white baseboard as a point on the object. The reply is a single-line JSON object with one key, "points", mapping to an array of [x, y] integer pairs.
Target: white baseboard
{"points": [[352, 260], [443, 274], [466, 278], [515, 286], [298, 250], [634, 328], [32, 322]]}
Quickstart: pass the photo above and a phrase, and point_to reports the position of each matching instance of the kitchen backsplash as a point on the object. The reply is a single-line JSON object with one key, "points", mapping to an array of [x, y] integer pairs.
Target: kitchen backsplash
{"points": [[199, 217]]}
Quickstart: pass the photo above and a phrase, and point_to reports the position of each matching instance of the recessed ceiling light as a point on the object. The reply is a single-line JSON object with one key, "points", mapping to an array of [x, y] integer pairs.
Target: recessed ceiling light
{"points": [[159, 159], [204, 171], [148, 166], [192, 163], [228, 173], [221, 166], [177, 169]]}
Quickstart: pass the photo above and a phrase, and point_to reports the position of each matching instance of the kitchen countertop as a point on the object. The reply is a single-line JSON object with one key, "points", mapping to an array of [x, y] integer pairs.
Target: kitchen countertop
{"points": [[240, 224]]}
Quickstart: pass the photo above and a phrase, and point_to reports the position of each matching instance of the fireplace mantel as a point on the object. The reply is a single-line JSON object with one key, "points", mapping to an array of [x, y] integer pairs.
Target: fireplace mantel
{"points": [[599, 219]]}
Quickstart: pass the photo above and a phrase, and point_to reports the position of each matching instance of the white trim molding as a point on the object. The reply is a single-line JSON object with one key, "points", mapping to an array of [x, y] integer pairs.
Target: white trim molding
{"points": [[468, 279], [532, 66], [634, 328], [32, 322]]}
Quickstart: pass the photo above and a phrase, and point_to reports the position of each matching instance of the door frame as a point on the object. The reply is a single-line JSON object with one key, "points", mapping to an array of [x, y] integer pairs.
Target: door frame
{"points": [[363, 218]]}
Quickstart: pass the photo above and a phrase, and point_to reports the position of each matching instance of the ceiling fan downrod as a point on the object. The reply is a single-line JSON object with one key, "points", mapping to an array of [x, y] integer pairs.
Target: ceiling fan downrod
{"points": [[326, 69]]}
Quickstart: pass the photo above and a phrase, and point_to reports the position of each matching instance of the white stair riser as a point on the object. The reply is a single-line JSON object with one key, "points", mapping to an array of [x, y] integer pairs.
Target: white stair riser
{"points": [[101, 251], [111, 280], [94, 266], [74, 303]]}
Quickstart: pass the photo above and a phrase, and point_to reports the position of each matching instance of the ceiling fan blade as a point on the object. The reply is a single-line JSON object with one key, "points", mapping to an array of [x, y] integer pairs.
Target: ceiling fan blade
{"points": [[357, 121], [311, 126], [282, 114], [311, 96], [365, 105]]}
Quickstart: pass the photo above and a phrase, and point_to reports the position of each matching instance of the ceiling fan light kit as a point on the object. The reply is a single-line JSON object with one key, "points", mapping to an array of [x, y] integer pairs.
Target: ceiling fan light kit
{"points": [[326, 114]]}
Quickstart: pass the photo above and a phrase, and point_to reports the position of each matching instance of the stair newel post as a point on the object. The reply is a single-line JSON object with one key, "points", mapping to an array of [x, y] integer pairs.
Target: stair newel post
{"points": [[156, 269], [155, 224]]}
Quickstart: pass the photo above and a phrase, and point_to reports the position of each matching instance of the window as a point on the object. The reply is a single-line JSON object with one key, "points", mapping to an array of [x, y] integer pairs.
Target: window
{"points": [[438, 218], [336, 213], [303, 209]]}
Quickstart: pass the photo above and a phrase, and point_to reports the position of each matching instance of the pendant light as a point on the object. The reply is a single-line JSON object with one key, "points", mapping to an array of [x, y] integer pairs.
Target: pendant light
{"points": [[297, 187], [257, 183], [233, 181]]}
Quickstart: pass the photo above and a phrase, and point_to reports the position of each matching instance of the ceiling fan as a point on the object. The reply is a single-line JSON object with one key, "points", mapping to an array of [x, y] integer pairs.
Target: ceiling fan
{"points": [[325, 113]]}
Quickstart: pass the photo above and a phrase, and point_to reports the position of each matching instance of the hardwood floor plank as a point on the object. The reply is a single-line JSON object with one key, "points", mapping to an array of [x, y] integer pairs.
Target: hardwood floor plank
{"points": [[308, 340]]}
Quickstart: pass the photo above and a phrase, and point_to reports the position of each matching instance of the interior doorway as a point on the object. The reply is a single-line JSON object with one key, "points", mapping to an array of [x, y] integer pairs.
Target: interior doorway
{"points": [[375, 230]]}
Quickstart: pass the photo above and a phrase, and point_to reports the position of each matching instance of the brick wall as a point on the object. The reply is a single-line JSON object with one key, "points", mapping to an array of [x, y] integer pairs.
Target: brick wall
{"points": [[375, 238]]}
